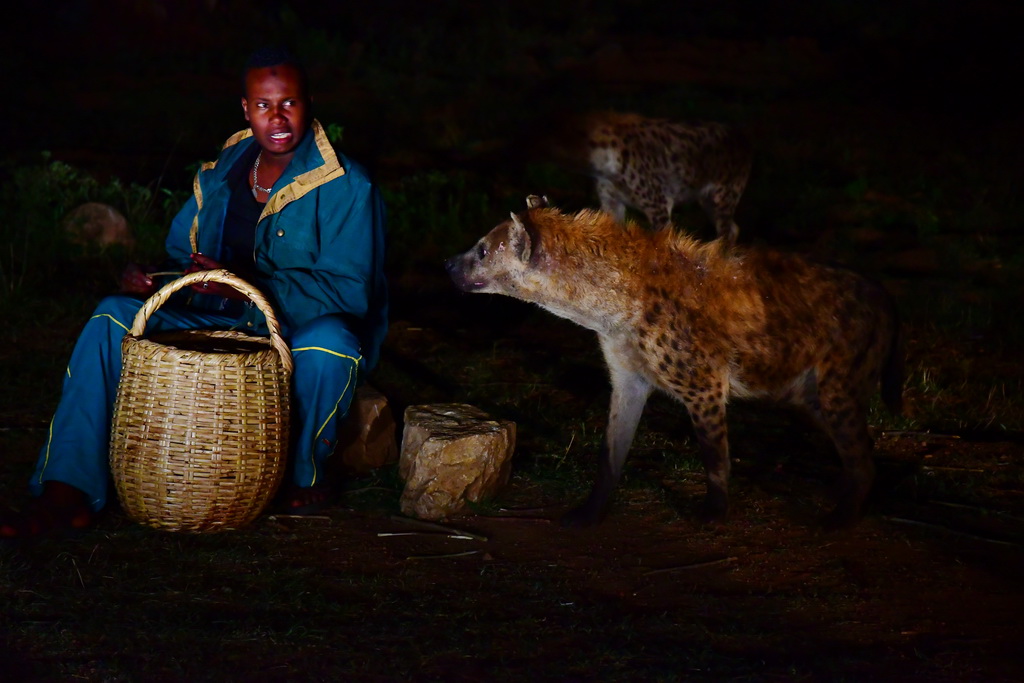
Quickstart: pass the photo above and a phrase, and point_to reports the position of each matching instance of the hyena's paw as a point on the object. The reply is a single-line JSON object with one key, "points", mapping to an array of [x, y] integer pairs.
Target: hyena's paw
{"points": [[714, 509], [843, 517], [582, 517]]}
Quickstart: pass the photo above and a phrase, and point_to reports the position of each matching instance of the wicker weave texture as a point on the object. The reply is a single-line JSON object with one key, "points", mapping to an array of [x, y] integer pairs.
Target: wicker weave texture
{"points": [[200, 430]]}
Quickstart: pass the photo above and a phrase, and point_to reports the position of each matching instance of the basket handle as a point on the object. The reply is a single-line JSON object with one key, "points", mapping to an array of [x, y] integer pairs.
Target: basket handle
{"points": [[223, 276]]}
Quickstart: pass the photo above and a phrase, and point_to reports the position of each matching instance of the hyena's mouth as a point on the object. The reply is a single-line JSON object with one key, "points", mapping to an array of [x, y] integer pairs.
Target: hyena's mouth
{"points": [[457, 273]]}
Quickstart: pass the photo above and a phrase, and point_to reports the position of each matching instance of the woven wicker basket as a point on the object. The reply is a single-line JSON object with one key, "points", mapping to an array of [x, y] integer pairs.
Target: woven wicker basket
{"points": [[200, 429]]}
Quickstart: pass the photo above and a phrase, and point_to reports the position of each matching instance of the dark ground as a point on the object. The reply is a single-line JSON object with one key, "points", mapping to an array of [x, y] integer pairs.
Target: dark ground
{"points": [[903, 107]]}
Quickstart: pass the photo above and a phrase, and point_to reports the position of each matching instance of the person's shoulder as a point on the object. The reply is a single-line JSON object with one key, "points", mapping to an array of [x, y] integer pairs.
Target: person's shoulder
{"points": [[355, 173], [339, 175], [232, 143], [230, 151], [353, 169]]}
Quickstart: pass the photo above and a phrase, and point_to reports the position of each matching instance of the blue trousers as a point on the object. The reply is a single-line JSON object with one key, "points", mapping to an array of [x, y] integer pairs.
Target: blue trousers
{"points": [[327, 364]]}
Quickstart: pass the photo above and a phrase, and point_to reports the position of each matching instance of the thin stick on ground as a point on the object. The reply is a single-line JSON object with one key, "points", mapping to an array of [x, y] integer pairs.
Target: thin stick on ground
{"points": [[437, 527], [317, 518], [695, 565], [514, 518], [460, 537], [367, 488], [929, 525], [443, 556], [975, 508], [919, 434], [940, 468], [536, 508]]}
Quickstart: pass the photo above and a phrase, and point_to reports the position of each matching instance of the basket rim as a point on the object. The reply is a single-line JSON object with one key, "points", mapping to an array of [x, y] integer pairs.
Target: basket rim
{"points": [[222, 276]]}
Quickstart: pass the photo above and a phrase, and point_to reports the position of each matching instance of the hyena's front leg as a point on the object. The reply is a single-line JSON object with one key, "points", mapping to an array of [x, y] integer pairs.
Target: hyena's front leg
{"points": [[611, 199], [719, 203], [660, 217], [629, 395]]}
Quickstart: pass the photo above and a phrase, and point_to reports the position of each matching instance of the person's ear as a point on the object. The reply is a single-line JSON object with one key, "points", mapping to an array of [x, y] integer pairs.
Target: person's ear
{"points": [[245, 108]]}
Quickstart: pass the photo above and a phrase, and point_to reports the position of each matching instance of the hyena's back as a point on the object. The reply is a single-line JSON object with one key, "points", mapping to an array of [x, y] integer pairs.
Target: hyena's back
{"points": [[655, 165], [782, 317]]}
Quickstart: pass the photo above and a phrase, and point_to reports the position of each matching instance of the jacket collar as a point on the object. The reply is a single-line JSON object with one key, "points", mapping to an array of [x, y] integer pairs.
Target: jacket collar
{"points": [[314, 164]]}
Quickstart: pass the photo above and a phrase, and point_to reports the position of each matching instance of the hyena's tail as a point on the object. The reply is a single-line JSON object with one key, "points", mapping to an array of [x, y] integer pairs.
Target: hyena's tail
{"points": [[894, 370]]}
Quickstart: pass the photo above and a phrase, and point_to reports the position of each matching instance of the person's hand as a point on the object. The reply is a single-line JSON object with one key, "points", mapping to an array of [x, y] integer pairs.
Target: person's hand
{"points": [[200, 262], [135, 281]]}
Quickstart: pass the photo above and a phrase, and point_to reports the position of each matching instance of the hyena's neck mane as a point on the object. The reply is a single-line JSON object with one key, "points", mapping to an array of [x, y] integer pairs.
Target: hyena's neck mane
{"points": [[600, 268], [625, 255]]}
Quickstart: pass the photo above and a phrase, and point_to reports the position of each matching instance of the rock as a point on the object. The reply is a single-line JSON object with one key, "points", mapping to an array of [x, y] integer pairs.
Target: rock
{"points": [[452, 454], [367, 438], [99, 224]]}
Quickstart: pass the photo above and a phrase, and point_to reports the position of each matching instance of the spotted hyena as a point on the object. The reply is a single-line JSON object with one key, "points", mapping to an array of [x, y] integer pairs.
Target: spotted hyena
{"points": [[655, 164], [705, 325]]}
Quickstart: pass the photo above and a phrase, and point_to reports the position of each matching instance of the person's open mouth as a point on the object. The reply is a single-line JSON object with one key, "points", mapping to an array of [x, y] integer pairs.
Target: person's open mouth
{"points": [[280, 137]]}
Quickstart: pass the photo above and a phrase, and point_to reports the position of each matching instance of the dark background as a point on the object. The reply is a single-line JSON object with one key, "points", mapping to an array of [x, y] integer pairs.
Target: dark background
{"points": [[143, 88]]}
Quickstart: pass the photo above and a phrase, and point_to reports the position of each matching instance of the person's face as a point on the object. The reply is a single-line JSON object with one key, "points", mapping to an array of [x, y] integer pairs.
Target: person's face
{"points": [[276, 106]]}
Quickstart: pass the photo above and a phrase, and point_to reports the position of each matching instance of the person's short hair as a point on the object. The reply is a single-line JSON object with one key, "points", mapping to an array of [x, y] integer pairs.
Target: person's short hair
{"points": [[274, 55]]}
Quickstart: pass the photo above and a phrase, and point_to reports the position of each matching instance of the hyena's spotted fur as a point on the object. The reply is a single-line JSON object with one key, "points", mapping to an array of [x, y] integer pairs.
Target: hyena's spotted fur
{"points": [[704, 325], [653, 165]]}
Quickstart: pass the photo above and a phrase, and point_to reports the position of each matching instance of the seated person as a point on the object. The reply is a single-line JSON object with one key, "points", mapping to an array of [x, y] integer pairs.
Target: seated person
{"points": [[299, 221]]}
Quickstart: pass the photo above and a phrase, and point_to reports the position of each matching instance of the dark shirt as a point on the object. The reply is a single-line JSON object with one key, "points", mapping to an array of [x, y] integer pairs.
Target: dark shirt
{"points": [[239, 240]]}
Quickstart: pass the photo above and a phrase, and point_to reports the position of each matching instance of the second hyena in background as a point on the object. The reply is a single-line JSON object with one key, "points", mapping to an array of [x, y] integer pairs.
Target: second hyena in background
{"points": [[653, 165], [703, 325]]}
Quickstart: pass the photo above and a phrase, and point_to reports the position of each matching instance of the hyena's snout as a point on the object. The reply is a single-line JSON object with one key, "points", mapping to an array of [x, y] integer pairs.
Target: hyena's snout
{"points": [[459, 269]]}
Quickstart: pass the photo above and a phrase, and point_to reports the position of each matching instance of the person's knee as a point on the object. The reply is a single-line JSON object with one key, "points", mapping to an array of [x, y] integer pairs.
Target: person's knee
{"points": [[120, 307], [328, 333]]}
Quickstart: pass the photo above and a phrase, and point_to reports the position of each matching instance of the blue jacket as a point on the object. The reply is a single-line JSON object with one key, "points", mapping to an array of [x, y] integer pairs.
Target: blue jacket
{"points": [[319, 241]]}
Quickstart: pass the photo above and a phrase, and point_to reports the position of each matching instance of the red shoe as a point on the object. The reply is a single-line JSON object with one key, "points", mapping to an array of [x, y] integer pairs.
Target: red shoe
{"points": [[308, 500], [60, 511]]}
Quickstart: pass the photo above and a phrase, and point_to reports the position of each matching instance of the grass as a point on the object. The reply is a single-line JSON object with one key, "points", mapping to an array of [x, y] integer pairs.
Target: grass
{"points": [[49, 284], [37, 197], [433, 215]]}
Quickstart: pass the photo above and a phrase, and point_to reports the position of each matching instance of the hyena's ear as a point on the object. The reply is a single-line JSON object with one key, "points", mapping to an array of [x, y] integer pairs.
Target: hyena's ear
{"points": [[537, 201], [519, 239]]}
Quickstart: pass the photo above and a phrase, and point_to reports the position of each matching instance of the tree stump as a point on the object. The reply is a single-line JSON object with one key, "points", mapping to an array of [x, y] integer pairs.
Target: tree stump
{"points": [[367, 438], [452, 454]]}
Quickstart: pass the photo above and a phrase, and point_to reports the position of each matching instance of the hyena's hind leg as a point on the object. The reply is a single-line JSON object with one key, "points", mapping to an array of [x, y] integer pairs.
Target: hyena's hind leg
{"points": [[834, 405], [719, 203]]}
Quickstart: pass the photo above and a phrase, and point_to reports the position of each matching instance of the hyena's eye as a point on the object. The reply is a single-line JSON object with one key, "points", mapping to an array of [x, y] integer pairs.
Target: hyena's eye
{"points": [[481, 252]]}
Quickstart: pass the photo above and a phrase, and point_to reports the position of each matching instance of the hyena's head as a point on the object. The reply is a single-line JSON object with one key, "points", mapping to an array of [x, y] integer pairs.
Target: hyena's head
{"points": [[498, 263], [577, 267]]}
